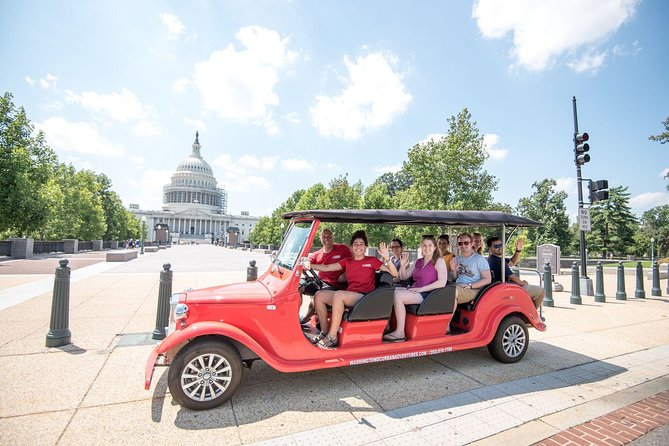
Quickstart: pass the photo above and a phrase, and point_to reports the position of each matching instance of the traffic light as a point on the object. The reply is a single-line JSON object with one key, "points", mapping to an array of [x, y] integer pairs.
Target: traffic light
{"points": [[599, 190], [580, 147]]}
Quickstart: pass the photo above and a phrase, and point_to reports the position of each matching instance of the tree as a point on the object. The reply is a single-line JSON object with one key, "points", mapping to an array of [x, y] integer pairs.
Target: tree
{"points": [[270, 230], [341, 194], [26, 164], [663, 138], [613, 224], [547, 206], [112, 207], [75, 206], [447, 173], [377, 196], [654, 224]]}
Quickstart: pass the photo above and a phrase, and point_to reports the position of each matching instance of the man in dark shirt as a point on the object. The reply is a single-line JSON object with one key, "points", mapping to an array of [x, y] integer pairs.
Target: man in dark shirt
{"points": [[496, 251]]}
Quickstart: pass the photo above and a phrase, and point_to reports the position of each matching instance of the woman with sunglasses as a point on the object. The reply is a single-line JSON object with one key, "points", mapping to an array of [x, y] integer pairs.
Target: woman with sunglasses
{"points": [[473, 270], [429, 273]]}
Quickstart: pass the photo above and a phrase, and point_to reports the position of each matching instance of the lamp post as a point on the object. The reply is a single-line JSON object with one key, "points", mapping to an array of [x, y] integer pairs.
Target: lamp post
{"points": [[652, 250], [141, 249]]}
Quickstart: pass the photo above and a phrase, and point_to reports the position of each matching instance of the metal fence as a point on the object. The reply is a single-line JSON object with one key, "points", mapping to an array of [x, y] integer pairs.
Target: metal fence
{"points": [[85, 245], [5, 248], [45, 247]]}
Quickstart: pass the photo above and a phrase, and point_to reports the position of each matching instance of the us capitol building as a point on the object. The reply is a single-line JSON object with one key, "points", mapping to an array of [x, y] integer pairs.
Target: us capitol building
{"points": [[195, 208]]}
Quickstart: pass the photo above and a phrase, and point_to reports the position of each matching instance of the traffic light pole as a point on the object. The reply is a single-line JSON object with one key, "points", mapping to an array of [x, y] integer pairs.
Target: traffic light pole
{"points": [[585, 281]]}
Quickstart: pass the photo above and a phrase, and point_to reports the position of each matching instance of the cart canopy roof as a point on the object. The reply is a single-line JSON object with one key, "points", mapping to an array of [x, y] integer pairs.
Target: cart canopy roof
{"points": [[414, 217]]}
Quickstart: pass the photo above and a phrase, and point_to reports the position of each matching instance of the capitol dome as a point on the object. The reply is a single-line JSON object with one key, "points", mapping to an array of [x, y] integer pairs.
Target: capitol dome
{"points": [[194, 185]]}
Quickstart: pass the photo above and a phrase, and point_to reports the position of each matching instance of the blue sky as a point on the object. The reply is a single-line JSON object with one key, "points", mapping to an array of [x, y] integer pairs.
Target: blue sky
{"points": [[289, 93]]}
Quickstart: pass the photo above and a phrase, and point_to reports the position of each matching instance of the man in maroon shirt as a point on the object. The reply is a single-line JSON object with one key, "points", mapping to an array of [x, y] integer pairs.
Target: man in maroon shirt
{"points": [[330, 253]]}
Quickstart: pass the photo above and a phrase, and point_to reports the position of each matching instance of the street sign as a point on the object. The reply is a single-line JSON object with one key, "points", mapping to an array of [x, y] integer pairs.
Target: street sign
{"points": [[584, 219]]}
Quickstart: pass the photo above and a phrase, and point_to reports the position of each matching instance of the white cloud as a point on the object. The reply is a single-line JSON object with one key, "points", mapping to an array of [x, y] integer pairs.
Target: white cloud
{"points": [[180, 84], [386, 169], [79, 163], [664, 172], [545, 30], [332, 166], [589, 62], [138, 161], [431, 137], [196, 124], [148, 189], [296, 165], [489, 141], [373, 97], [236, 174], [642, 202], [30, 80], [79, 137], [239, 85], [49, 81], [121, 107], [145, 128], [567, 185], [293, 117], [174, 26], [261, 163]]}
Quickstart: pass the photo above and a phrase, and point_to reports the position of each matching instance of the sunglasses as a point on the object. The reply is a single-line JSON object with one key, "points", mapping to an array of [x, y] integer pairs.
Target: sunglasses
{"points": [[463, 243], [497, 246]]}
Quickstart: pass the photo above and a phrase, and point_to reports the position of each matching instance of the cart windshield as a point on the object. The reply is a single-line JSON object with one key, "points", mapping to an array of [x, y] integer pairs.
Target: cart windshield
{"points": [[292, 245]]}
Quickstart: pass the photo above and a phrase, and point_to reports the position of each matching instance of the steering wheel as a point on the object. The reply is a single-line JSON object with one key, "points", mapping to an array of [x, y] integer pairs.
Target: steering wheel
{"points": [[310, 276]]}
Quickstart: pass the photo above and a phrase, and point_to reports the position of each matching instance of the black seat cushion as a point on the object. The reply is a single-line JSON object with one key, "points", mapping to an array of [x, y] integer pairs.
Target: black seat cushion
{"points": [[375, 305], [439, 301]]}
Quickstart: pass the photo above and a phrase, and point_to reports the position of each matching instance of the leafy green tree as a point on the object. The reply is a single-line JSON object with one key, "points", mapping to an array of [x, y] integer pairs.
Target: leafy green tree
{"points": [[377, 196], [547, 206], [26, 164], [654, 224], [113, 209], [613, 225], [395, 182], [663, 138], [341, 194], [310, 198], [75, 209], [447, 173], [270, 230]]}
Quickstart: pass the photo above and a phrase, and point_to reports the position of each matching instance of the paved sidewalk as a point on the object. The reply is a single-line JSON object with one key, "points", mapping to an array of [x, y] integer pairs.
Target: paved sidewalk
{"points": [[594, 359]]}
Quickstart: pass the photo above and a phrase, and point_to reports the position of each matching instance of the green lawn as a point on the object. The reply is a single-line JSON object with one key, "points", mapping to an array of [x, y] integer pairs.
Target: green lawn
{"points": [[645, 264]]}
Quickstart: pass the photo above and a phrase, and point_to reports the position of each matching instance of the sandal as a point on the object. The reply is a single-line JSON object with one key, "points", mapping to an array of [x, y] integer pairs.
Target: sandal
{"points": [[327, 343], [393, 338], [314, 338]]}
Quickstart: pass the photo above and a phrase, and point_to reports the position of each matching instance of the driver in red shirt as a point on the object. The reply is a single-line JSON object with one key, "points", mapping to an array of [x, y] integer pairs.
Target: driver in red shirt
{"points": [[330, 253]]}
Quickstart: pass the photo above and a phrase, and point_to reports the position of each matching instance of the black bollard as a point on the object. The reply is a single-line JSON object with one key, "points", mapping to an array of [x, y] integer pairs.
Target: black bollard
{"points": [[251, 271], [575, 297], [620, 292], [655, 290], [639, 291], [59, 332], [667, 278], [599, 283], [163, 311], [548, 286]]}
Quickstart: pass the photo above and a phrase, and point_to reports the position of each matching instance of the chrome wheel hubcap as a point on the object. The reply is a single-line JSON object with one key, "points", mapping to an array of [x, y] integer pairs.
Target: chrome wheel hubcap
{"points": [[513, 341], [206, 377]]}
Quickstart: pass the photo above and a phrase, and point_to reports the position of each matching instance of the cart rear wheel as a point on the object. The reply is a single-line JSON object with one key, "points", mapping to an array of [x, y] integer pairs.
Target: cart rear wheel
{"points": [[511, 340]]}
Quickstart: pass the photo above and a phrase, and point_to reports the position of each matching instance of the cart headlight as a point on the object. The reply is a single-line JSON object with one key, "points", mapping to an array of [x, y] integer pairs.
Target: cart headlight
{"points": [[178, 313]]}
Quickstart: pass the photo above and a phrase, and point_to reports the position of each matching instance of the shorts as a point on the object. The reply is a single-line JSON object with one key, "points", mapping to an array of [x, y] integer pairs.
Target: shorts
{"points": [[535, 291], [466, 294]]}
